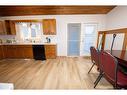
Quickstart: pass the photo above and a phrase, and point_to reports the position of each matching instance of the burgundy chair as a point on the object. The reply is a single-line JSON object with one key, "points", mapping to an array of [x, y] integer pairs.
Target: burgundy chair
{"points": [[94, 57], [109, 66]]}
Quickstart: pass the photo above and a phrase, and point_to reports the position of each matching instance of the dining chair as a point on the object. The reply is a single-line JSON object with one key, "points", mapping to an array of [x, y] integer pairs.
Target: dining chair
{"points": [[94, 57], [109, 66]]}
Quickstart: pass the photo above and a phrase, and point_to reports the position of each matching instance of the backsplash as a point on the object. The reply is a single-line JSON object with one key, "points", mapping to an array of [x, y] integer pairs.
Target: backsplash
{"points": [[5, 38], [52, 37]]}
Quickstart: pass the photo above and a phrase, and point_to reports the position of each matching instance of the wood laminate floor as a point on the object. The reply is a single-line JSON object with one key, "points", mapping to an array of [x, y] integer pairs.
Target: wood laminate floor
{"points": [[59, 73]]}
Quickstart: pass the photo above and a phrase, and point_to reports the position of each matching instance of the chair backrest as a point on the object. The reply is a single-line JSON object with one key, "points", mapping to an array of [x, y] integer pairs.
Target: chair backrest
{"points": [[94, 55], [108, 65]]}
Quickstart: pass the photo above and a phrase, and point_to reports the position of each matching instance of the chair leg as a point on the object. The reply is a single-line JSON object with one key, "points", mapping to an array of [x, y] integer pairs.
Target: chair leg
{"points": [[115, 87], [91, 68], [98, 79]]}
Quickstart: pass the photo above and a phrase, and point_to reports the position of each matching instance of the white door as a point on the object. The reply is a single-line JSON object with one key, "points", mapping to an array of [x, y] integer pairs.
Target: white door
{"points": [[74, 39], [88, 38]]}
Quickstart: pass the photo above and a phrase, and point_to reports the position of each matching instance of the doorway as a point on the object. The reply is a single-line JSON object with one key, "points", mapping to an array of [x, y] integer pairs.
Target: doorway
{"points": [[88, 38], [74, 30]]}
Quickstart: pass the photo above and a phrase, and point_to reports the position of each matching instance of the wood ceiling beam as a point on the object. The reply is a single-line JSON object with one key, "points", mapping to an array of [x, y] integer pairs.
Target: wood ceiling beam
{"points": [[53, 10]]}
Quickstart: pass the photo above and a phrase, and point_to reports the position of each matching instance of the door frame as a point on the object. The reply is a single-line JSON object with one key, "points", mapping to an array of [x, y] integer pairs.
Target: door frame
{"points": [[68, 38]]}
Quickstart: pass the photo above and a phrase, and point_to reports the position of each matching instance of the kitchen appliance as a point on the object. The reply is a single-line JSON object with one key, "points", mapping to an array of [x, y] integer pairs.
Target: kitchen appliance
{"points": [[39, 52]]}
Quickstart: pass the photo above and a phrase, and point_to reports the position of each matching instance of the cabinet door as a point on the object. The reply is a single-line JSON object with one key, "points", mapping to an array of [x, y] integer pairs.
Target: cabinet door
{"points": [[28, 51], [10, 51], [13, 28], [19, 51], [10, 27], [1, 28], [1, 52], [49, 27], [50, 51]]}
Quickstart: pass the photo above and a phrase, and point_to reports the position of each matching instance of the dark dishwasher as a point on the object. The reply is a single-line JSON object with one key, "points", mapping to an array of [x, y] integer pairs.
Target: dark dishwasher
{"points": [[39, 52]]}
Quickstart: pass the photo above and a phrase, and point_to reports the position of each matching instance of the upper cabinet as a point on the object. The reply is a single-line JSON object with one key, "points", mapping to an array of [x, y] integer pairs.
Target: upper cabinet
{"points": [[49, 26], [10, 27], [1, 28]]}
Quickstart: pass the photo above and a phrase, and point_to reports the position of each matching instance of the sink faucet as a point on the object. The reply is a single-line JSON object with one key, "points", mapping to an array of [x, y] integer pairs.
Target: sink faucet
{"points": [[48, 39]]}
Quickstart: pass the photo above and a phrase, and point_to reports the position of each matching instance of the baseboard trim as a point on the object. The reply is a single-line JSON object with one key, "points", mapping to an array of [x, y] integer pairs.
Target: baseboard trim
{"points": [[88, 57]]}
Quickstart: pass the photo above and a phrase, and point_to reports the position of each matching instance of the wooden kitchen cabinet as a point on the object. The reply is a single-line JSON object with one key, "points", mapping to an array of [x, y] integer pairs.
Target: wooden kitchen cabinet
{"points": [[10, 27], [18, 51], [50, 51], [49, 26], [28, 51], [10, 51], [25, 51], [1, 52], [1, 28]]}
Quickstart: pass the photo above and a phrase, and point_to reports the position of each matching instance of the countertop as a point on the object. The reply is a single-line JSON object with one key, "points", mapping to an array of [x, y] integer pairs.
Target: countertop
{"points": [[28, 44]]}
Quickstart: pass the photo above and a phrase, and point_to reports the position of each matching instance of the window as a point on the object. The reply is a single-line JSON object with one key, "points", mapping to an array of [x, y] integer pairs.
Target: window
{"points": [[28, 31]]}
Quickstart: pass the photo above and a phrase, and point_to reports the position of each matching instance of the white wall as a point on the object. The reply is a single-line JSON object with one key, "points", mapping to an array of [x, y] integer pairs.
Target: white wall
{"points": [[62, 21], [117, 18]]}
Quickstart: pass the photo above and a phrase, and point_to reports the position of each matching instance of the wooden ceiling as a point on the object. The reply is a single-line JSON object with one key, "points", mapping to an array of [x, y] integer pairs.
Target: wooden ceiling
{"points": [[53, 10]]}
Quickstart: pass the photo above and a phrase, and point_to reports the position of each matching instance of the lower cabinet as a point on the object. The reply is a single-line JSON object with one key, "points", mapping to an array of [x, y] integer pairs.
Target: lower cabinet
{"points": [[50, 51], [28, 51], [10, 51], [18, 51], [1, 52], [42, 52]]}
